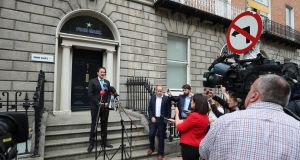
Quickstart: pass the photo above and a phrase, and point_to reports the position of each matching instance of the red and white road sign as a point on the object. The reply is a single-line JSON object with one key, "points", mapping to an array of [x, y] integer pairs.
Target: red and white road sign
{"points": [[244, 32]]}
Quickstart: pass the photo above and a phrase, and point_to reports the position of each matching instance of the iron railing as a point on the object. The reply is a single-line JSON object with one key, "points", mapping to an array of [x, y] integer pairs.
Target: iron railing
{"points": [[217, 7], [139, 91], [222, 12], [13, 107], [6, 105], [280, 30], [220, 8], [38, 105]]}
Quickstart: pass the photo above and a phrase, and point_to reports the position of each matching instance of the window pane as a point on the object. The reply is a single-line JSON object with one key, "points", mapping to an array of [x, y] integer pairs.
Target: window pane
{"points": [[176, 74], [264, 2], [177, 48], [288, 16]]}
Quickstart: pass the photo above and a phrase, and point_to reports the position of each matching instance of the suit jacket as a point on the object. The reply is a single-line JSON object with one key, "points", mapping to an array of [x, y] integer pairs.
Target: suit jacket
{"points": [[165, 107], [181, 100], [94, 92]]}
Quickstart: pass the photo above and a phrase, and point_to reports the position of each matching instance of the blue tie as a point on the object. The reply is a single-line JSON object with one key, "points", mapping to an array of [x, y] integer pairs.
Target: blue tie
{"points": [[103, 84]]}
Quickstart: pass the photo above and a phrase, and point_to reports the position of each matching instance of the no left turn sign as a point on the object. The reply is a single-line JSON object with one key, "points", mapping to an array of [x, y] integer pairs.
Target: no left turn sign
{"points": [[244, 32]]}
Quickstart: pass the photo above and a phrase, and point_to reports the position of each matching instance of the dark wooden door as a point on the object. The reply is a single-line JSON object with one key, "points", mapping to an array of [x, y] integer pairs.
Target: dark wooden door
{"points": [[84, 68]]}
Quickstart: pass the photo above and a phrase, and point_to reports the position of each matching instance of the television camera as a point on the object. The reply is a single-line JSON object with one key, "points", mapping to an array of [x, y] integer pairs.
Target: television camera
{"points": [[13, 130], [237, 75]]}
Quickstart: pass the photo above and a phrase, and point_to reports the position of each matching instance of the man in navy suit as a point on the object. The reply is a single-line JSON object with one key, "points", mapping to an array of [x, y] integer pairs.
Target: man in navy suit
{"points": [[184, 101], [159, 107], [97, 101]]}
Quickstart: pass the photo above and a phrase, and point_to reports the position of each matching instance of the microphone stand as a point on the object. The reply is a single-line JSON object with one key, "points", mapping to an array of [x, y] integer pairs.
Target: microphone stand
{"points": [[96, 134], [122, 146]]}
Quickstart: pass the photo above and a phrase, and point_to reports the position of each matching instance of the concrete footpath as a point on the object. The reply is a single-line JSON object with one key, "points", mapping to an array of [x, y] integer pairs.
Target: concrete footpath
{"points": [[168, 157]]}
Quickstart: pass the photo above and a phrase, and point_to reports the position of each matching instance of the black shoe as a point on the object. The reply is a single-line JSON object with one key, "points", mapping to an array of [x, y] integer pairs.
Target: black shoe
{"points": [[107, 145], [90, 148]]}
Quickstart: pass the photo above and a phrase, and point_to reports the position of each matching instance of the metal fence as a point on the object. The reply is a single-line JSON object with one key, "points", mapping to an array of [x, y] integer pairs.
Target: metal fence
{"points": [[217, 7], [139, 91], [280, 30], [38, 105]]}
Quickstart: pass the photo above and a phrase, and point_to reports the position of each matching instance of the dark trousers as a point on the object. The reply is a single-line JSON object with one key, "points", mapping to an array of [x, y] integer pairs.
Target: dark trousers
{"points": [[158, 128], [103, 116], [189, 152]]}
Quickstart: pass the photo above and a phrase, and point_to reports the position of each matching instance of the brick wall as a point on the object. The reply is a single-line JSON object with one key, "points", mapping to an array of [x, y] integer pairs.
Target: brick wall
{"points": [[278, 11], [238, 3]]}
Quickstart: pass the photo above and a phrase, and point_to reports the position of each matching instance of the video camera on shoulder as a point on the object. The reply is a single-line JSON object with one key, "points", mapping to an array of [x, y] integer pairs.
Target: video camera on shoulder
{"points": [[13, 130]]}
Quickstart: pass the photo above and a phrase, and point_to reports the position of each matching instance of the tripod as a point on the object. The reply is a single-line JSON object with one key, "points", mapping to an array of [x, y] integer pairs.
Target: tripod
{"points": [[103, 149], [122, 146]]}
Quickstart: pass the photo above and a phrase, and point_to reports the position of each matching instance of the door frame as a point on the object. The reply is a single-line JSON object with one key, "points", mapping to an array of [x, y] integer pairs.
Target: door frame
{"points": [[89, 43], [97, 57], [64, 43]]}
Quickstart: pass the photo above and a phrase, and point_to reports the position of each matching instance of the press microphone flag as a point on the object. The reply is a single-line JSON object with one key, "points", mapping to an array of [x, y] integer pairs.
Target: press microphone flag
{"points": [[102, 92]]}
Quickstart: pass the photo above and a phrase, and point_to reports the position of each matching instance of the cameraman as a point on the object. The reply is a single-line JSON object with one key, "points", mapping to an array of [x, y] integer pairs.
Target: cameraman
{"points": [[232, 104]]}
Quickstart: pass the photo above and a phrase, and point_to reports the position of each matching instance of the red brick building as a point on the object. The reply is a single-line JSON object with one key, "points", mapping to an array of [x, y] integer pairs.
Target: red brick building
{"points": [[280, 11]]}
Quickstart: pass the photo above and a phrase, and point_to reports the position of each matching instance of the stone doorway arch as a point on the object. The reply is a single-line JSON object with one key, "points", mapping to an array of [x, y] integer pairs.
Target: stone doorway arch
{"points": [[67, 41]]}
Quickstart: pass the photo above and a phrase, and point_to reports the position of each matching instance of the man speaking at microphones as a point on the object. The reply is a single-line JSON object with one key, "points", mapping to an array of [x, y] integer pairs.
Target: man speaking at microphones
{"points": [[98, 92]]}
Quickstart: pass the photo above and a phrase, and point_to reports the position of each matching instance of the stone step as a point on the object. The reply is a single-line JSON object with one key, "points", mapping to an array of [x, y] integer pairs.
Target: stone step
{"points": [[58, 127], [75, 133], [59, 144], [135, 155], [80, 153]]}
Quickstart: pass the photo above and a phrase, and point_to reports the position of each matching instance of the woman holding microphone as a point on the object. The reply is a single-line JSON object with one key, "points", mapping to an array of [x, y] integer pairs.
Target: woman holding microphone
{"points": [[193, 128]]}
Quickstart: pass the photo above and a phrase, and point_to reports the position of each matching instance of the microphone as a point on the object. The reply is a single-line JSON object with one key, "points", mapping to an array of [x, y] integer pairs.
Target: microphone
{"points": [[102, 92], [113, 91]]}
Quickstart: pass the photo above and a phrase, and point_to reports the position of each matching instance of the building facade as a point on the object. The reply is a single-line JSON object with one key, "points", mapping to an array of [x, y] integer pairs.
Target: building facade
{"points": [[171, 42]]}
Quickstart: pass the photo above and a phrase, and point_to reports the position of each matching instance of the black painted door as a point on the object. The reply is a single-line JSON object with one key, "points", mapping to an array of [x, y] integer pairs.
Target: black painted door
{"points": [[84, 68]]}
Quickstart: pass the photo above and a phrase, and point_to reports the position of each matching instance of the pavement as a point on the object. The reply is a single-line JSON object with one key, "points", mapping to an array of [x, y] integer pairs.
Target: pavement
{"points": [[168, 157]]}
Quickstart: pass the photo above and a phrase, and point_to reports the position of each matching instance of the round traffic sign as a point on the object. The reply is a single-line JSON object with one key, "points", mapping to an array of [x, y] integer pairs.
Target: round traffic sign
{"points": [[244, 32]]}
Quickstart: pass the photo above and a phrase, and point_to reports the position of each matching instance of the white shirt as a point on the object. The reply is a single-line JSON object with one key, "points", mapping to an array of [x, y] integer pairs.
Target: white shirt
{"points": [[187, 102], [158, 106]]}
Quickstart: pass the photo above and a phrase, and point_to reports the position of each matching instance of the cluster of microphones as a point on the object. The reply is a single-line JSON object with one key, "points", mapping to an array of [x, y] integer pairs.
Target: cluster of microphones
{"points": [[112, 92]]}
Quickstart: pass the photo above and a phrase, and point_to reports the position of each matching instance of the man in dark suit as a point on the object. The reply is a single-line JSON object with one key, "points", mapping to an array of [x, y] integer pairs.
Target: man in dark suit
{"points": [[159, 107], [97, 101], [184, 101]]}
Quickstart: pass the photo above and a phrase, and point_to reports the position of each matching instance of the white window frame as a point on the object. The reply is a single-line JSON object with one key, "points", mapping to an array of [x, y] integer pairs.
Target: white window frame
{"points": [[188, 64], [291, 15]]}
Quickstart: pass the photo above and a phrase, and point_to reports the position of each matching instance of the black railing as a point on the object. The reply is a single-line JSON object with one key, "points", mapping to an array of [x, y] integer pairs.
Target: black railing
{"points": [[38, 105], [14, 108], [7, 105], [139, 91], [280, 30]]}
